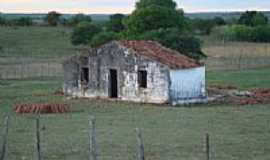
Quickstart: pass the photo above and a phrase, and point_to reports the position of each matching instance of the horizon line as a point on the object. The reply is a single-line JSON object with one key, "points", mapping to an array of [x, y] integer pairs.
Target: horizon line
{"points": [[107, 13]]}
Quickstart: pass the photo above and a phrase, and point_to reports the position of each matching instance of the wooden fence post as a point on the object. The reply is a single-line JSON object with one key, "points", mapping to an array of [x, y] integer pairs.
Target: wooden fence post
{"points": [[39, 154], [92, 139], [140, 152], [5, 136], [207, 147]]}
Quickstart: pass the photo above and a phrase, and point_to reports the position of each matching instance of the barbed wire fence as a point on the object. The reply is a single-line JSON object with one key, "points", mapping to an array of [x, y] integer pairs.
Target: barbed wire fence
{"points": [[28, 67], [39, 140], [24, 67]]}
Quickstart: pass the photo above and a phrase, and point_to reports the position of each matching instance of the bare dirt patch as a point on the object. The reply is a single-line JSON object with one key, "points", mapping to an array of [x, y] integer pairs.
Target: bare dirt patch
{"points": [[42, 108]]}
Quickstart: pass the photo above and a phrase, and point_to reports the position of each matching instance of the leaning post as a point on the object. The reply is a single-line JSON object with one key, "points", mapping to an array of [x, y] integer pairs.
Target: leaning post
{"points": [[207, 146], [39, 154], [92, 139], [140, 152], [5, 136]]}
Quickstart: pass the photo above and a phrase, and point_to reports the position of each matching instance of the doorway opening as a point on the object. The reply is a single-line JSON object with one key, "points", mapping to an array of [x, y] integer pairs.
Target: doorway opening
{"points": [[85, 75], [113, 84]]}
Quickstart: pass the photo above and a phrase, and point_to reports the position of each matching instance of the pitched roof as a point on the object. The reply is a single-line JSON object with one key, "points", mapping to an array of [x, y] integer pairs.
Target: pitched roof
{"points": [[155, 51]]}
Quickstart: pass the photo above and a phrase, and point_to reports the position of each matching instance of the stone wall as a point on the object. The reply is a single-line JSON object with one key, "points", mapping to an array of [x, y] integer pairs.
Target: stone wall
{"points": [[127, 64]]}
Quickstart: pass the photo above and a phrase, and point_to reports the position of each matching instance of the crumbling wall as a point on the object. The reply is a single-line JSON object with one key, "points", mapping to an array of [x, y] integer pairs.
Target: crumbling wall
{"points": [[127, 64], [71, 75]]}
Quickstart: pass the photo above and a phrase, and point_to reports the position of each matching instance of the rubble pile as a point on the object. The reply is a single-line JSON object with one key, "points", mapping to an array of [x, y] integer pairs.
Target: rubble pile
{"points": [[232, 95]]}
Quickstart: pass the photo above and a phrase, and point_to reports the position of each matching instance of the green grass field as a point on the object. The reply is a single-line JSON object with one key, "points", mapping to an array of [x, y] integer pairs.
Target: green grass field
{"points": [[240, 133], [244, 79], [35, 41], [236, 132]]}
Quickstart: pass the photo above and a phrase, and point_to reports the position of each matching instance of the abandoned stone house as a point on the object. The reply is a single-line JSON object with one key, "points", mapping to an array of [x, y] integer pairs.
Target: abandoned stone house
{"points": [[139, 71]]}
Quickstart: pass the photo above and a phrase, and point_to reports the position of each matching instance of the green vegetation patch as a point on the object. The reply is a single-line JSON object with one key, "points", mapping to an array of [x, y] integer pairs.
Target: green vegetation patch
{"points": [[169, 133], [243, 79], [35, 41]]}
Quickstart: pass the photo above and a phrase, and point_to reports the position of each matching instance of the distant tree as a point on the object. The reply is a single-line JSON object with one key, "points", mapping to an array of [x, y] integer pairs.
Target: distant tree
{"points": [[84, 32], [53, 18], [3, 20], [232, 21], [63, 21], [165, 3], [75, 20], [219, 21], [261, 34], [202, 26], [253, 18], [243, 33], [154, 14], [23, 21], [102, 38], [175, 39], [116, 23]]}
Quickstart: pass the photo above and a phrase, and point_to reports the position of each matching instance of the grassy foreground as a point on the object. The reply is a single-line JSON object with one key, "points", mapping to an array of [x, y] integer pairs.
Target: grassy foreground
{"points": [[240, 133]]}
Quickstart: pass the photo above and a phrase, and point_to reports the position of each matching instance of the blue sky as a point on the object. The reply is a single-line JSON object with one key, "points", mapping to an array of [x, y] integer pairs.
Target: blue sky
{"points": [[126, 6]]}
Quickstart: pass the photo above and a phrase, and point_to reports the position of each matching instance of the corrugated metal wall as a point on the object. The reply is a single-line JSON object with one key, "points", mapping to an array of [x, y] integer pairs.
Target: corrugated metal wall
{"points": [[187, 84]]}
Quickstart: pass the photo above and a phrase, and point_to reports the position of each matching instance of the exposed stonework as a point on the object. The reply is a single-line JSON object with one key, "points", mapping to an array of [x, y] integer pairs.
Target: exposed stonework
{"points": [[127, 63]]}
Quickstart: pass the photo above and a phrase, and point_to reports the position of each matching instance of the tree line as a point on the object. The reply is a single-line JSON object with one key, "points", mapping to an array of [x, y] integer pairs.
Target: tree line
{"points": [[53, 18], [252, 26], [158, 20]]}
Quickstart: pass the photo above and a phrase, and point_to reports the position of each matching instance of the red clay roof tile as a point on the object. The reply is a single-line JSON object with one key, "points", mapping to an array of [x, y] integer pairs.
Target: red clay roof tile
{"points": [[155, 51]]}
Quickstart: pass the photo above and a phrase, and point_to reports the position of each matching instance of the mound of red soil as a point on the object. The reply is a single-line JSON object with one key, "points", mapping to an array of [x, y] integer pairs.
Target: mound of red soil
{"points": [[259, 96], [59, 93], [42, 108], [261, 93], [249, 101]]}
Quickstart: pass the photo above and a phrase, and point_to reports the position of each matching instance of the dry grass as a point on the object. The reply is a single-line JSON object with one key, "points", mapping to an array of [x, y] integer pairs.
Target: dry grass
{"points": [[236, 49], [235, 55]]}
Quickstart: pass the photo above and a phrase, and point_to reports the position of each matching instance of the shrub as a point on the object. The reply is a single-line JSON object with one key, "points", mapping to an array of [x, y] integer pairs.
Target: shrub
{"points": [[243, 33], [75, 20], [23, 21], [116, 23], [253, 18], [174, 39], [261, 34], [202, 26], [102, 38], [53, 18], [84, 32], [3, 21]]}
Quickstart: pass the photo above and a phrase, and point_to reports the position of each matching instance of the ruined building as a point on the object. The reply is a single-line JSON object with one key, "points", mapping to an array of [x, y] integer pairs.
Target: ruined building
{"points": [[139, 71]]}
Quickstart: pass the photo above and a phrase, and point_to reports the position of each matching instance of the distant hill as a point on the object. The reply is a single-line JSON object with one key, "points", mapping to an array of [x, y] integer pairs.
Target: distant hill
{"points": [[105, 17]]}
